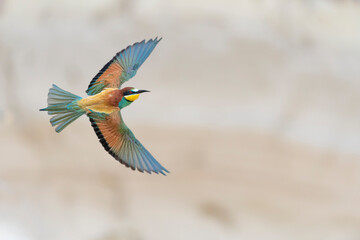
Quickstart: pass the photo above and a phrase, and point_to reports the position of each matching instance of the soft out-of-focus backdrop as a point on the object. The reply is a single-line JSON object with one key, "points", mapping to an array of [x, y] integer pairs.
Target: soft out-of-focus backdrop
{"points": [[255, 110]]}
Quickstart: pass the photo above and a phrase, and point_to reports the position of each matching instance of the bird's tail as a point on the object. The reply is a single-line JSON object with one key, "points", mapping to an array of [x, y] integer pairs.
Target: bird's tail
{"points": [[63, 105]]}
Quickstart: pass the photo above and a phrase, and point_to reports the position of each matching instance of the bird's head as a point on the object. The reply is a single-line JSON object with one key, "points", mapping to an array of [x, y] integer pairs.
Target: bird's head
{"points": [[130, 94]]}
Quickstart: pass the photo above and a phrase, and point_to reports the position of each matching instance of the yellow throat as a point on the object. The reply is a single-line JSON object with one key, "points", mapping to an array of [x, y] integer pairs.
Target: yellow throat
{"points": [[131, 97]]}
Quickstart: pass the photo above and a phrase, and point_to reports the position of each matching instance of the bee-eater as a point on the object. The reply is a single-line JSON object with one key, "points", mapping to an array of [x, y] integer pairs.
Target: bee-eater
{"points": [[103, 107]]}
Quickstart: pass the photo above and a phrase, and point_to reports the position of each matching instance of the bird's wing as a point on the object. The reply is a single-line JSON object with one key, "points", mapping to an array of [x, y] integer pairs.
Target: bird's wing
{"points": [[122, 66], [120, 142]]}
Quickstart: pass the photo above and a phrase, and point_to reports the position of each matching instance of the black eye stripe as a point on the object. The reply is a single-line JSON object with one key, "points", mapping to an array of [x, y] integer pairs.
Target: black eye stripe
{"points": [[129, 92]]}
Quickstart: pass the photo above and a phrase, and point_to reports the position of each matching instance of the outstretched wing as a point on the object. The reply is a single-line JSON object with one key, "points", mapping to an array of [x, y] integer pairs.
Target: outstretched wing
{"points": [[122, 67], [120, 142]]}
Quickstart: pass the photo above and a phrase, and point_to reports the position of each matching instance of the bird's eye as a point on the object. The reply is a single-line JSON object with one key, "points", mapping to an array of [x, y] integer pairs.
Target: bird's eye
{"points": [[132, 91]]}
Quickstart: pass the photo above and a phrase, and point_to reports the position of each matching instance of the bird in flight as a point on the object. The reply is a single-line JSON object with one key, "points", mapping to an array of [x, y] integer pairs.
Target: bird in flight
{"points": [[103, 107]]}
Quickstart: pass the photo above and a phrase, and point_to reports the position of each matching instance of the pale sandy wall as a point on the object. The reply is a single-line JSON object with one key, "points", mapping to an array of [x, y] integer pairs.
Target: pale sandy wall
{"points": [[286, 67], [254, 109]]}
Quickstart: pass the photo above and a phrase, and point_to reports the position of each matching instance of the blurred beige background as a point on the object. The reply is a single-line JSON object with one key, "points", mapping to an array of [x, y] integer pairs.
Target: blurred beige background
{"points": [[254, 108]]}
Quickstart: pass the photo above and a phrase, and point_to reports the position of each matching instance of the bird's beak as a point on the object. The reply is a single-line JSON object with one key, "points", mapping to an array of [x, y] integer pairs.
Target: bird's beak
{"points": [[142, 91]]}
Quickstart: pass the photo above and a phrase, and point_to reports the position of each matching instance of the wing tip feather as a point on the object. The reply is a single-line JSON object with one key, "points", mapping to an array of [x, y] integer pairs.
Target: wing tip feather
{"points": [[106, 146]]}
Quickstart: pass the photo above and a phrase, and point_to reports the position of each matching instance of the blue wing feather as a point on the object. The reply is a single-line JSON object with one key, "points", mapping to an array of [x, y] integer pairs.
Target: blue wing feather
{"points": [[127, 149], [134, 56], [128, 61]]}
